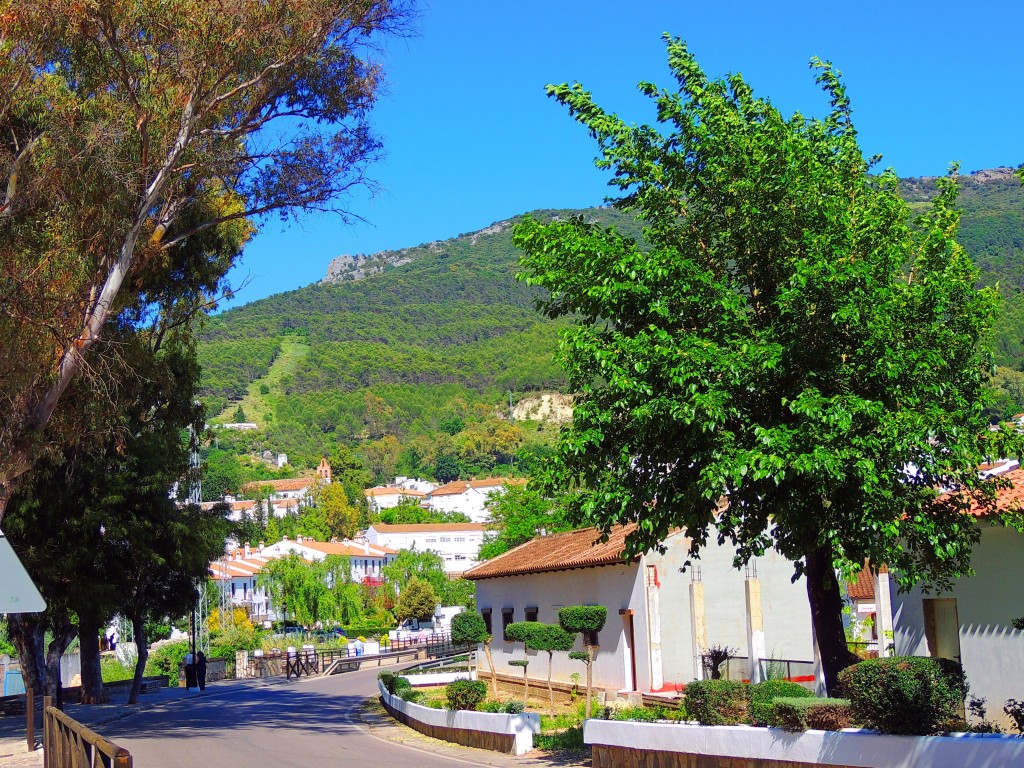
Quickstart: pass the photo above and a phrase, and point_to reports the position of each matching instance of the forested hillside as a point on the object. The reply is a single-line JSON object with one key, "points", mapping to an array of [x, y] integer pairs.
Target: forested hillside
{"points": [[409, 356]]}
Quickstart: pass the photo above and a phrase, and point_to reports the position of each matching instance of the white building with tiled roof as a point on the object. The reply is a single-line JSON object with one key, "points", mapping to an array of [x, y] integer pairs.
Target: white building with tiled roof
{"points": [[456, 543], [469, 496], [659, 617], [238, 573], [368, 559], [390, 496]]}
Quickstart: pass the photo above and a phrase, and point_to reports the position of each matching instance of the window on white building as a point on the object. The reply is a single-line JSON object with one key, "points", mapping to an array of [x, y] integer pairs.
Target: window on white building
{"points": [[460, 557], [432, 541], [446, 539], [460, 538]]}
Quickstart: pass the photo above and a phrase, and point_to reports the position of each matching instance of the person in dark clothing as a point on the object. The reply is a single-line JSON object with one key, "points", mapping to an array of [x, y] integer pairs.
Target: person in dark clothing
{"points": [[201, 670]]}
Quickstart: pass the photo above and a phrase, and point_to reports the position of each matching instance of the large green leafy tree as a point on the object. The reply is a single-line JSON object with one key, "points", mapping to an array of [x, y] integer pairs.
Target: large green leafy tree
{"points": [[519, 514], [128, 128], [785, 361]]}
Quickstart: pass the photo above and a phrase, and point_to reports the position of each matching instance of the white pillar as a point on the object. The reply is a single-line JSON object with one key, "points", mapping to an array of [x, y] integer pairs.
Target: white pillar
{"points": [[654, 626], [883, 611], [755, 628], [698, 628]]}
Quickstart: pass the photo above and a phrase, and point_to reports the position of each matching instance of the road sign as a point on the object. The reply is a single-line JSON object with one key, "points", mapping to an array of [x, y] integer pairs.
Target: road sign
{"points": [[17, 592]]}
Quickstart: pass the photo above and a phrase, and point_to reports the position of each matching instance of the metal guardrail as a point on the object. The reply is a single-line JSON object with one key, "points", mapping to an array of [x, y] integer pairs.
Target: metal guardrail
{"points": [[69, 744], [793, 670], [306, 662]]}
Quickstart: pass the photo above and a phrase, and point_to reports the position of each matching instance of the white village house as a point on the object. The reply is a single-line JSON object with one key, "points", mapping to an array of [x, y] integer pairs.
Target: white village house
{"points": [[659, 618], [972, 621], [469, 497], [456, 543], [367, 559], [390, 496]]}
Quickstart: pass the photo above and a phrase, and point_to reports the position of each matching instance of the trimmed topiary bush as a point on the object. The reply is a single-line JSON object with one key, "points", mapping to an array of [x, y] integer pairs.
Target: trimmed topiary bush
{"points": [[465, 694], [400, 684], [716, 702], [762, 709], [801, 713], [388, 679], [907, 695]]}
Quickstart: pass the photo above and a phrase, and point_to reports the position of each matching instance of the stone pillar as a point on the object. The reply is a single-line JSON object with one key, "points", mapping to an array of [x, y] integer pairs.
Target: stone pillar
{"points": [[652, 588], [755, 628], [698, 627], [241, 663], [883, 611]]}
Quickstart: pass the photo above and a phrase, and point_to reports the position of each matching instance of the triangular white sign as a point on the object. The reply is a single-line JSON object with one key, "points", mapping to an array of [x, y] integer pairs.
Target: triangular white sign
{"points": [[17, 592]]}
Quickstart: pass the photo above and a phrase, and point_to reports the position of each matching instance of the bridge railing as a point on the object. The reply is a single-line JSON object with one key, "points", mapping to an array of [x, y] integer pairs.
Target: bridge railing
{"points": [[69, 744]]}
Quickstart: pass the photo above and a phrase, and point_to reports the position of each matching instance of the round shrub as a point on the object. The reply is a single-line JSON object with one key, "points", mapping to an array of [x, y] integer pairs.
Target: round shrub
{"points": [[400, 684], [513, 708], [412, 695], [762, 694], [716, 702], [907, 695], [465, 694], [388, 681]]}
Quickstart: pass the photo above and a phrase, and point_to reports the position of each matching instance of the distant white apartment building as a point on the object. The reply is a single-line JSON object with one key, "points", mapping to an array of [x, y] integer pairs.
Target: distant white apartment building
{"points": [[390, 496], [367, 558], [457, 543], [238, 573], [470, 496]]}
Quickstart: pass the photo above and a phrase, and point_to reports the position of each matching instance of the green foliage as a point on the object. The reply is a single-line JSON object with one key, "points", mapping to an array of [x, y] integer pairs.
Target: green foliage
{"points": [[521, 663], [802, 713], [783, 338], [387, 679], [763, 694], [470, 628], [570, 738], [400, 684], [6, 646], [580, 656], [716, 702], [639, 714], [582, 618], [113, 670], [513, 708], [416, 601], [465, 694], [517, 515], [411, 695], [167, 660], [906, 694]]}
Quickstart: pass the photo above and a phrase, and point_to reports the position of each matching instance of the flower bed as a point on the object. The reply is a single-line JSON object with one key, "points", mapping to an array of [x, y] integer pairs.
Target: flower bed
{"points": [[499, 732], [630, 743]]}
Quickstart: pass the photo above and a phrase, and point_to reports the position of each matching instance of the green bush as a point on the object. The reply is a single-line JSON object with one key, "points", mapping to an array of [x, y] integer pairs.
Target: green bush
{"points": [[491, 706], [907, 695], [801, 713], [388, 680], [639, 714], [762, 694], [513, 708], [412, 695], [716, 702], [167, 660], [582, 618], [465, 694], [400, 684], [570, 738]]}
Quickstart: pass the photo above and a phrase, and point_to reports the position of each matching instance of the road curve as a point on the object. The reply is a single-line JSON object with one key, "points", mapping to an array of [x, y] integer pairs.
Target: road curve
{"points": [[278, 724]]}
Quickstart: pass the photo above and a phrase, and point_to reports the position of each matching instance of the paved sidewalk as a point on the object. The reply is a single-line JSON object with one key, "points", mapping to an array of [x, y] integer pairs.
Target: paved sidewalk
{"points": [[14, 749]]}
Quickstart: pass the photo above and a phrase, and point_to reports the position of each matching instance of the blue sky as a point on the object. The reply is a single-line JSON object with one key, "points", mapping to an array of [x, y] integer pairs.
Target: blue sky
{"points": [[470, 137]]}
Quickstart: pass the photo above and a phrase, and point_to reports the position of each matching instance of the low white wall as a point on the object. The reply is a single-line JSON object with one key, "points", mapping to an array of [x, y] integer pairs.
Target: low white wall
{"points": [[523, 726], [438, 678], [840, 748]]}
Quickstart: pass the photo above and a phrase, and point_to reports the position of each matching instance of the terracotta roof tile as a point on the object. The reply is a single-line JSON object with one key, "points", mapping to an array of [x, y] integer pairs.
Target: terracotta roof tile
{"points": [[863, 588], [280, 486], [461, 486], [558, 552], [1008, 499], [389, 490]]}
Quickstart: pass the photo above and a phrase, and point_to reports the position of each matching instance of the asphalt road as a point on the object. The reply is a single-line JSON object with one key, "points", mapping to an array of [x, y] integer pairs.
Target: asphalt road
{"points": [[302, 723]]}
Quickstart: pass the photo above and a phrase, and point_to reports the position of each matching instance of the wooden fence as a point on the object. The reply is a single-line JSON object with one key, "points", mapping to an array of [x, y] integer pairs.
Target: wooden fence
{"points": [[69, 744]]}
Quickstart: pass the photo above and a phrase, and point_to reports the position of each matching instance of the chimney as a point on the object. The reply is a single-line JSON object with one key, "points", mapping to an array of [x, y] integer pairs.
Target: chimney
{"points": [[284, 538], [262, 544], [298, 538], [248, 551], [366, 547], [334, 539]]}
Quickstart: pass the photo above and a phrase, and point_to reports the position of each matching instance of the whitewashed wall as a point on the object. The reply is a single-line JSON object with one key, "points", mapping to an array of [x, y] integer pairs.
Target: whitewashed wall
{"points": [[615, 587]]}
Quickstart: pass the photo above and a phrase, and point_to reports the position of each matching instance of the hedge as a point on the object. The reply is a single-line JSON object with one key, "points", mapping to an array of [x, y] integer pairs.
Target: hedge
{"points": [[762, 708], [907, 695], [716, 702], [800, 713], [465, 694]]}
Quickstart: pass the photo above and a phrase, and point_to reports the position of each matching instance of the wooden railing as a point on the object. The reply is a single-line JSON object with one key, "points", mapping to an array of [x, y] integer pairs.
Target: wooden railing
{"points": [[69, 744]]}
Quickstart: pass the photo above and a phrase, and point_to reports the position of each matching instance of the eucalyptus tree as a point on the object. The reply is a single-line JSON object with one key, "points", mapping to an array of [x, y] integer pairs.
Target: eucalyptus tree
{"points": [[786, 360], [130, 128]]}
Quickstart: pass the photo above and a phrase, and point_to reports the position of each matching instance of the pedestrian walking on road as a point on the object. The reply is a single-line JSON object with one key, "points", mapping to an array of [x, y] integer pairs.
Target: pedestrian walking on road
{"points": [[201, 670]]}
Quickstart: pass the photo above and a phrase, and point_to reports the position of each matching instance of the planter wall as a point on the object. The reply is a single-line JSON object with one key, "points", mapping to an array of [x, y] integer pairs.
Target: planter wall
{"points": [[512, 734], [438, 678], [683, 745]]}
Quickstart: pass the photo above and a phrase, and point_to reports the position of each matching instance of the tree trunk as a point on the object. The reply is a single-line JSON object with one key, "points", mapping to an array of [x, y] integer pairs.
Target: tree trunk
{"points": [[92, 676], [827, 617], [526, 689], [551, 691], [490, 663], [28, 632], [141, 642], [590, 675], [63, 633]]}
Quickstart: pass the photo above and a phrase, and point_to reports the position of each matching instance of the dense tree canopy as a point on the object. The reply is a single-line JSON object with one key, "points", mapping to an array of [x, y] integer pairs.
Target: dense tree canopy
{"points": [[129, 129], [787, 362]]}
